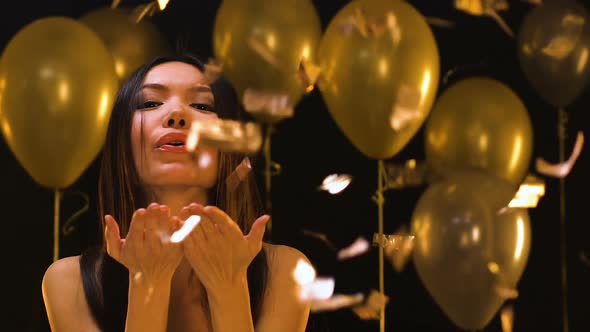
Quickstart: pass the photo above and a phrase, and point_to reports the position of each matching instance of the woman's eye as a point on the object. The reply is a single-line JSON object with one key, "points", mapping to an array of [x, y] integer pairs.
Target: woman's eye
{"points": [[203, 108], [149, 104]]}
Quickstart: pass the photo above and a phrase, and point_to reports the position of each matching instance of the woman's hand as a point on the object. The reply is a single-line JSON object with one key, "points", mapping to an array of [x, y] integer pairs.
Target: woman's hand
{"points": [[218, 251], [147, 251]]}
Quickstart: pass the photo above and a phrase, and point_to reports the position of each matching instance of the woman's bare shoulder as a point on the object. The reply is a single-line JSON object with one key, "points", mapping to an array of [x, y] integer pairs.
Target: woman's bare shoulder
{"points": [[282, 258], [64, 297], [63, 273], [281, 308]]}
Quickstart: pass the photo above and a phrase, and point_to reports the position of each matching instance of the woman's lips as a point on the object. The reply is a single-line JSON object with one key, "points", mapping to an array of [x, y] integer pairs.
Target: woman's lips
{"points": [[173, 148]]}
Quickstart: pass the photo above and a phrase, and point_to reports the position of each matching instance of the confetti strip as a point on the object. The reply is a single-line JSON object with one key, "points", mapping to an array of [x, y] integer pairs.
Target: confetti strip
{"points": [[307, 74], [335, 183], [337, 302], [370, 309], [238, 175], [186, 229], [320, 236], [263, 51], [561, 170], [213, 69], [226, 135], [486, 8], [357, 248], [268, 105]]}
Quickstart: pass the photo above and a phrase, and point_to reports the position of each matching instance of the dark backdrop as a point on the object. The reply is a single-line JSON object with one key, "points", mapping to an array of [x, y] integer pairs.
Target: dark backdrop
{"points": [[309, 147]]}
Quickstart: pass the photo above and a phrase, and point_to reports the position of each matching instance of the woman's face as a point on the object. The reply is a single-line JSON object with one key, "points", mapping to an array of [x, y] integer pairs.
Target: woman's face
{"points": [[173, 94]]}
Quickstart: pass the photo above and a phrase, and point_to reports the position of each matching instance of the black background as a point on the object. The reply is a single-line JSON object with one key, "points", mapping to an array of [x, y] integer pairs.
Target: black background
{"points": [[309, 146]]}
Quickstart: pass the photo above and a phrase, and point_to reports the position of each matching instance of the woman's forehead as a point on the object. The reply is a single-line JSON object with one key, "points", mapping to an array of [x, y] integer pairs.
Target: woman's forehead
{"points": [[175, 73]]}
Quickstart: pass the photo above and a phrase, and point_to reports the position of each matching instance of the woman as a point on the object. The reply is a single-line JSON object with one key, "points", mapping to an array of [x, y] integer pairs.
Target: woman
{"points": [[221, 278]]}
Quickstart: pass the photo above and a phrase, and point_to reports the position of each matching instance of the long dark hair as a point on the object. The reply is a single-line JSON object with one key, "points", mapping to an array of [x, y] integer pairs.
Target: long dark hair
{"points": [[120, 193]]}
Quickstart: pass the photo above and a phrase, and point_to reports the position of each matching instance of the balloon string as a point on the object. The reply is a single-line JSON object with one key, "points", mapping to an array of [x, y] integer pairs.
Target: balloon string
{"points": [[56, 225], [379, 199], [561, 133], [268, 175]]}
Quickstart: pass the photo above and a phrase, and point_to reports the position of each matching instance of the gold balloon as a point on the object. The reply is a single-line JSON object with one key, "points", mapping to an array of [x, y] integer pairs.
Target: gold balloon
{"points": [[261, 45], [553, 50], [57, 86], [131, 44], [479, 123], [469, 254], [380, 73]]}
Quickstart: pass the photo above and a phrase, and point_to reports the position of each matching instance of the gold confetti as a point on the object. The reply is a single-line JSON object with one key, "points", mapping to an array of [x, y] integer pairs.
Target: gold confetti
{"points": [[337, 302], [238, 175], [529, 193], [335, 183], [561, 170], [187, 227], [406, 109], [318, 289], [226, 135], [115, 4], [563, 43], [398, 248], [213, 69], [486, 8], [371, 308], [307, 74], [320, 236], [357, 248], [410, 173], [260, 48], [162, 4], [144, 10], [439, 22], [371, 27], [303, 273], [268, 106]]}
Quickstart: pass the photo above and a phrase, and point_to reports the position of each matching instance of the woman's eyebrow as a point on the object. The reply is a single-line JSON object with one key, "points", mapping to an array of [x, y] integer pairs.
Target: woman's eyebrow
{"points": [[155, 86], [200, 88]]}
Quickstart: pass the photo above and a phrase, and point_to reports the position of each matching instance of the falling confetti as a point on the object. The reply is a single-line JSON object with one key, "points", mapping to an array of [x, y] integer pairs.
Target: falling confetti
{"points": [[304, 273], [162, 4], [371, 308], [318, 289], [439, 22], [337, 302], [144, 10], [335, 183], [226, 135], [307, 74], [397, 247], [213, 69], [260, 48], [238, 175], [529, 193], [186, 229], [410, 173], [320, 236], [357, 248], [371, 27], [561, 170], [486, 8], [406, 109], [563, 43], [270, 106]]}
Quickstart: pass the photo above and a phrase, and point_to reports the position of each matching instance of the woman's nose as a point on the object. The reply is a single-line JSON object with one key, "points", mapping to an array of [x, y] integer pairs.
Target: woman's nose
{"points": [[176, 120]]}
